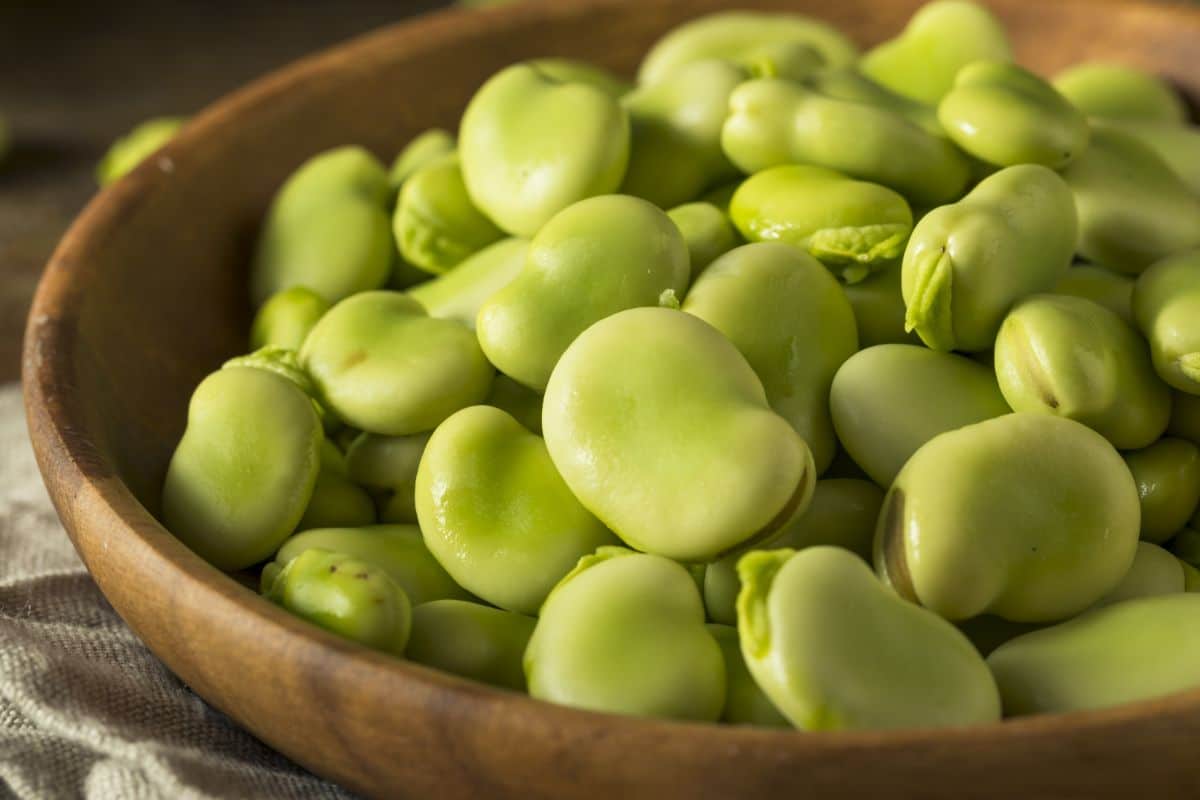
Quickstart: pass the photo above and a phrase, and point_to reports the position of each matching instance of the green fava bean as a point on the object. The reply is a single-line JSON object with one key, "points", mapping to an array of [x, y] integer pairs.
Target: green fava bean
{"points": [[286, 318], [387, 466], [878, 304], [1154, 572], [624, 633], [789, 318], [853, 227], [834, 650], [773, 122], [131, 149], [707, 232], [1006, 115], [461, 292], [1110, 289], [740, 36], [967, 263], [336, 500], [847, 83], [327, 229], [523, 403], [1028, 516], [1168, 480], [1115, 91], [745, 703], [244, 470], [1135, 650], [1073, 358], [1176, 144], [940, 39], [436, 225], [345, 596], [398, 550], [532, 145], [385, 367], [424, 149], [472, 640], [661, 428], [495, 512], [1166, 305], [1133, 209], [889, 400], [676, 133], [842, 513], [599, 256]]}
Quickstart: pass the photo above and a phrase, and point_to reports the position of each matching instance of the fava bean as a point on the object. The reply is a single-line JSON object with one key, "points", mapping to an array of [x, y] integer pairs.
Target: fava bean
{"points": [[1030, 517], [345, 596], [615, 419], [1072, 358], [834, 650], [624, 632]]}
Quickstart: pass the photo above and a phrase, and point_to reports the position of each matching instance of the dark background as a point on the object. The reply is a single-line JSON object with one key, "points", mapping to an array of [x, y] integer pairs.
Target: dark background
{"points": [[76, 75]]}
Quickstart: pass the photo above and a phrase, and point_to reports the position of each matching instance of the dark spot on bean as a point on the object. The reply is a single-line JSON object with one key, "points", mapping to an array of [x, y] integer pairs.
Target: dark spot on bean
{"points": [[354, 359]]}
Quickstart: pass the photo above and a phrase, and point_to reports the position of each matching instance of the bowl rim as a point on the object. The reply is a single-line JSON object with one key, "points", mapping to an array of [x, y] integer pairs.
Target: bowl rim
{"points": [[89, 496]]}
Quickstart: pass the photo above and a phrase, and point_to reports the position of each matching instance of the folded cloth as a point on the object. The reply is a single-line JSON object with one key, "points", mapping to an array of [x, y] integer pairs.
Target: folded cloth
{"points": [[85, 709]]}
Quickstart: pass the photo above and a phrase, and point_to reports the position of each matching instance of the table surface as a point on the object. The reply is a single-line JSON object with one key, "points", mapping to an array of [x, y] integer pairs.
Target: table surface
{"points": [[74, 76]]}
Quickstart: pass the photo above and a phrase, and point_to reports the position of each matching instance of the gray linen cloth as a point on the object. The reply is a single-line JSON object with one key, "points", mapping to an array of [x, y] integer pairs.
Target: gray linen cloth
{"points": [[85, 709]]}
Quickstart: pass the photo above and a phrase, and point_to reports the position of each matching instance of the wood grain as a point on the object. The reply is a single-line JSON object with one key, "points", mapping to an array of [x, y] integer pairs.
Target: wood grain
{"points": [[146, 294]]}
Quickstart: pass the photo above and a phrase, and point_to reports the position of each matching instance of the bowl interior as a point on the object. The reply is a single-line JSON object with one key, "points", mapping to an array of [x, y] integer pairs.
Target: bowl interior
{"points": [[148, 293]]}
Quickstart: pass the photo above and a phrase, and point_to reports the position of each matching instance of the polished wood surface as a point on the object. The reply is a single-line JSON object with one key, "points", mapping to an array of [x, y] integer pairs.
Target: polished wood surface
{"points": [[147, 293]]}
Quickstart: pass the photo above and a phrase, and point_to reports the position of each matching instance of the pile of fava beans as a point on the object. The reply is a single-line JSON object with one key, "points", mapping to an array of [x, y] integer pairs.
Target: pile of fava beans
{"points": [[787, 385]]}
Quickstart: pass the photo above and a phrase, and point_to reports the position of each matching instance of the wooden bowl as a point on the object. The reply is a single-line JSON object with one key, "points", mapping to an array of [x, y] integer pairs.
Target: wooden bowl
{"points": [[146, 294]]}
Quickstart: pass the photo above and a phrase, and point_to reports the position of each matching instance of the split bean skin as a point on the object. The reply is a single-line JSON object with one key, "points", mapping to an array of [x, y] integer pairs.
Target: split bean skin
{"points": [[854, 228], [967, 263]]}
